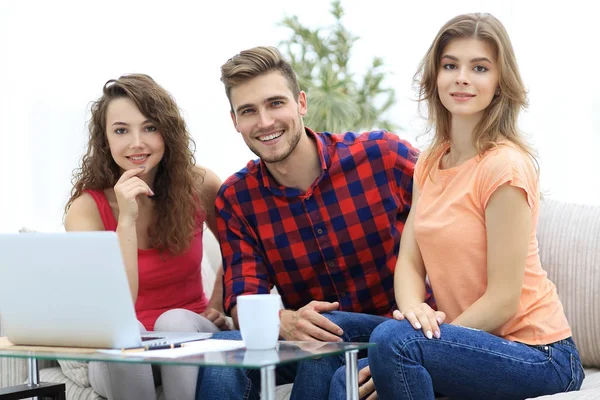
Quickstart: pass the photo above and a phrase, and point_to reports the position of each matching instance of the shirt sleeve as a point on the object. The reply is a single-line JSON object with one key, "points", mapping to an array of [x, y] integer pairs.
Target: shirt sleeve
{"points": [[402, 159], [508, 165], [244, 267], [417, 177]]}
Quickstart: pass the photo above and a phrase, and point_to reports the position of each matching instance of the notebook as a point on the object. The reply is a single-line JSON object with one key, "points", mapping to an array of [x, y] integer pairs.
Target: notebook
{"points": [[70, 289]]}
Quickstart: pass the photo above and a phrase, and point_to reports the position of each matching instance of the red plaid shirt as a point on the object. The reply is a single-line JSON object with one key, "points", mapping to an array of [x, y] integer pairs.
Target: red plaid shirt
{"points": [[337, 242]]}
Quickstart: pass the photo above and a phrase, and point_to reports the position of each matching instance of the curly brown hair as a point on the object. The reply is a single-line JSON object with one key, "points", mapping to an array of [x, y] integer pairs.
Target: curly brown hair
{"points": [[177, 183]]}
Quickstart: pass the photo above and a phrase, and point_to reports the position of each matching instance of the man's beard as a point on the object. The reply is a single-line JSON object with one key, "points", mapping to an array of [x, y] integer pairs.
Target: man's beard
{"points": [[291, 143]]}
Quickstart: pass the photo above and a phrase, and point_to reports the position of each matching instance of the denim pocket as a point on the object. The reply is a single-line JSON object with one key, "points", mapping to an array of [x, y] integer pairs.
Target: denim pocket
{"points": [[572, 383], [577, 375], [567, 364], [547, 350]]}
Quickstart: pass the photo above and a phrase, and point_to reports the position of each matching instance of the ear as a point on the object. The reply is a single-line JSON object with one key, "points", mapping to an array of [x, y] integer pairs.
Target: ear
{"points": [[234, 120], [302, 104]]}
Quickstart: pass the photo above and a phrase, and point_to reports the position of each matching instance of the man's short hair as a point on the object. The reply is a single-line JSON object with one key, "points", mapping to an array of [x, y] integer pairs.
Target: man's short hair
{"points": [[249, 64]]}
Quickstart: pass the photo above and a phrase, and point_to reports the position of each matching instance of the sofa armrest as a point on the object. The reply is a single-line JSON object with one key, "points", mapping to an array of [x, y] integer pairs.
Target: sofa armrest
{"points": [[13, 371], [569, 244]]}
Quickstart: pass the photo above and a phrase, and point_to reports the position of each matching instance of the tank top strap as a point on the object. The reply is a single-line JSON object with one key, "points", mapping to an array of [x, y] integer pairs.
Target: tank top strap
{"points": [[110, 223]]}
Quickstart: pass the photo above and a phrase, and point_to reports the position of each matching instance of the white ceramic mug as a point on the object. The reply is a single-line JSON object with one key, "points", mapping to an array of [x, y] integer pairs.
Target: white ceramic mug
{"points": [[258, 316], [259, 358]]}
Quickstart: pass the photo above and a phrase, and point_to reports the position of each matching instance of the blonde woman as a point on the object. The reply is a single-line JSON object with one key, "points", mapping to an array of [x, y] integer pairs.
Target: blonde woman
{"points": [[500, 332]]}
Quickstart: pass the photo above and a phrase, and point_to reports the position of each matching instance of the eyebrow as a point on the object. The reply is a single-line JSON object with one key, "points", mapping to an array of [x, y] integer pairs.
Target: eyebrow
{"points": [[267, 100], [274, 98], [473, 60], [126, 124]]}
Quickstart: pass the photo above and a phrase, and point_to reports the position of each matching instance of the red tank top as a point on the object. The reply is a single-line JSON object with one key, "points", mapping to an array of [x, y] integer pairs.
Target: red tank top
{"points": [[166, 281]]}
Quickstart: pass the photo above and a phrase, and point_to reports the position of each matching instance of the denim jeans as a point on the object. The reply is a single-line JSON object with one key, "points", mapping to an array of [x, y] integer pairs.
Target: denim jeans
{"points": [[311, 377], [464, 363]]}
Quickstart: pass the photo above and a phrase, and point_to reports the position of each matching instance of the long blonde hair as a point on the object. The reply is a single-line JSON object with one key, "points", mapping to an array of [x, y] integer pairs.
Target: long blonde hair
{"points": [[499, 121], [177, 199]]}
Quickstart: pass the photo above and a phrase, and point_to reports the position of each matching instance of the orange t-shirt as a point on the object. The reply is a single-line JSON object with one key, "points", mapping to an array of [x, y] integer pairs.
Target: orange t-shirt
{"points": [[450, 230]]}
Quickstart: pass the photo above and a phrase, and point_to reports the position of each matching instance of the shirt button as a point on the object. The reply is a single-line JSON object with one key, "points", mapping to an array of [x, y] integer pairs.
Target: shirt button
{"points": [[343, 294], [320, 231], [331, 264], [307, 198]]}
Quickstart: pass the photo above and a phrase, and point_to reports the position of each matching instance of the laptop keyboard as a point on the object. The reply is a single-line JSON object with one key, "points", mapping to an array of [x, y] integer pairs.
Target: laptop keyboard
{"points": [[146, 338]]}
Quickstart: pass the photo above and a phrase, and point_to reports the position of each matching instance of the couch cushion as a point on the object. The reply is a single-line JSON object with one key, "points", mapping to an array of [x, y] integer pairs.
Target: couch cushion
{"points": [[211, 261], [282, 392], [569, 240], [589, 391], [592, 380], [77, 371], [74, 391]]}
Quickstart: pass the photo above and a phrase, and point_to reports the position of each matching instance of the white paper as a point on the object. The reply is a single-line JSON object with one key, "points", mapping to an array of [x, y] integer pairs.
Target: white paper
{"points": [[187, 349]]}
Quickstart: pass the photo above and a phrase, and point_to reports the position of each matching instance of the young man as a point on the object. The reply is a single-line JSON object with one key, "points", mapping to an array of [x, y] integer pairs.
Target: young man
{"points": [[318, 216]]}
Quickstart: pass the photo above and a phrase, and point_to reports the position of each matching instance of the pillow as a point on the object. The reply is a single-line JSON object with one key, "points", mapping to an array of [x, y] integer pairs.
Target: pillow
{"points": [[77, 371], [211, 261], [569, 242]]}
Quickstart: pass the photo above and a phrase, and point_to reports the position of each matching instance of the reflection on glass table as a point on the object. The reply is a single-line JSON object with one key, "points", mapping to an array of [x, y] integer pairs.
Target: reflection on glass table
{"points": [[210, 353]]}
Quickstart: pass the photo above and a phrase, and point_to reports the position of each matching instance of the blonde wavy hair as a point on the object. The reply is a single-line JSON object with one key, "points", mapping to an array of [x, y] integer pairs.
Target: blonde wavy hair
{"points": [[499, 121], [177, 183]]}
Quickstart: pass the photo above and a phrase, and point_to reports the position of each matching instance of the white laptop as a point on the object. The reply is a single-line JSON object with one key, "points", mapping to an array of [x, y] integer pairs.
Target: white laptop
{"points": [[70, 289]]}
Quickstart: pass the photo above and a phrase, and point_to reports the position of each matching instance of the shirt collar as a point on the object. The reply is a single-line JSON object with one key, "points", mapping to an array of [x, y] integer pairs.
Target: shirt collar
{"points": [[279, 190]]}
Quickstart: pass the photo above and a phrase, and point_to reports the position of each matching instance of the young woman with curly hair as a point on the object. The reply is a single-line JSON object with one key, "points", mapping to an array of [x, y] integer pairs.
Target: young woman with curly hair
{"points": [[139, 178]]}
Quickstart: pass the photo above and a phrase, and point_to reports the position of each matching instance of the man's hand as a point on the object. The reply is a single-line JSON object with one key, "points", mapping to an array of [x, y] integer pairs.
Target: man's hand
{"points": [[366, 387], [307, 323], [217, 318]]}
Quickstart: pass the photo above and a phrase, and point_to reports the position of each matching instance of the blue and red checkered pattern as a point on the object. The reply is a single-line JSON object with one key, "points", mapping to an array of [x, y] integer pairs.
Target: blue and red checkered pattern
{"points": [[337, 242]]}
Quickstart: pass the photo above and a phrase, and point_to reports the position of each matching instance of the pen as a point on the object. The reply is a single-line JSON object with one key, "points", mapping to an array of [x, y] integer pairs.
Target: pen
{"points": [[147, 348]]}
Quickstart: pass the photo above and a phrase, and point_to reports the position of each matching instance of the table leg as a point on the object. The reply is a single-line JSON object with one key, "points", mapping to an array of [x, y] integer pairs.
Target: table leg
{"points": [[33, 374], [33, 389], [352, 375], [55, 391], [267, 383]]}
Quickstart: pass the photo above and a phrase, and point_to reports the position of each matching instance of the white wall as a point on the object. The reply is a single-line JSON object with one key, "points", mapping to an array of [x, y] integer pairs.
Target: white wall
{"points": [[55, 57]]}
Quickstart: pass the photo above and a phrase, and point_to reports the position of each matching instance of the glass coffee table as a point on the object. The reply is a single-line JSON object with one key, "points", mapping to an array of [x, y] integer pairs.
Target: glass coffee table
{"points": [[266, 360]]}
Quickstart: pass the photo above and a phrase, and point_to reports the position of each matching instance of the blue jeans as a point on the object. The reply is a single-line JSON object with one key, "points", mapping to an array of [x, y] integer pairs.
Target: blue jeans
{"points": [[464, 363], [311, 377]]}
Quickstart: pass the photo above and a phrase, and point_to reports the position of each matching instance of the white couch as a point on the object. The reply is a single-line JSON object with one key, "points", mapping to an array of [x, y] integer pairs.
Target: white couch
{"points": [[569, 237]]}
